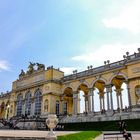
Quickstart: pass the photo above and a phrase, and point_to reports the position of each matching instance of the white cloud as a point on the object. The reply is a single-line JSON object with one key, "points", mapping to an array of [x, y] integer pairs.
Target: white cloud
{"points": [[4, 65], [112, 52], [68, 70], [128, 18]]}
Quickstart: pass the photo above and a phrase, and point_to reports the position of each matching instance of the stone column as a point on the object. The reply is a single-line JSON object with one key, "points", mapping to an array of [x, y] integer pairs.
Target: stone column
{"points": [[100, 103], [103, 103], [121, 101], [109, 92], [89, 101], [111, 99], [129, 97], [108, 106], [75, 103], [118, 104], [92, 100], [86, 103]]}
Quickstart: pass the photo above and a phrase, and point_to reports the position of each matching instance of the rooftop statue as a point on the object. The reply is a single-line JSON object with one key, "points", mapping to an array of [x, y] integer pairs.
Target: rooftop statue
{"points": [[31, 68], [22, 73], [40, 66]]}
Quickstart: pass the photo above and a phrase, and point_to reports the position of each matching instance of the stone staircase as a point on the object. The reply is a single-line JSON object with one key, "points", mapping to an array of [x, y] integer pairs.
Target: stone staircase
{"points": [[95, 117]]}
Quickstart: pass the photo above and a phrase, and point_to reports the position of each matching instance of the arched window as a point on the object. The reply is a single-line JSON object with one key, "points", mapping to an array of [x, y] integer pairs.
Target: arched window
{"points": [[38, 102], [46, 105], [28, 103], [19, 105], [57, 107]]}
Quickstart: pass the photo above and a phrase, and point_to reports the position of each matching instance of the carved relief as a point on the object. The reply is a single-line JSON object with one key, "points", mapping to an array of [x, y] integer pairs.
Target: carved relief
{"points": [[30, 80], [136, 70]]}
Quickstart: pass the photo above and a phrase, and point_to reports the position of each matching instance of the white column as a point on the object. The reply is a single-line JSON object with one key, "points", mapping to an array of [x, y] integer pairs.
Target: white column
{"points": [[111, 99], [92, 101], [75, 103], [100, 103], [118, 104], [103, 103], [129, 97], [121, 101], [86, 103], [108, 106], [89, 100]]}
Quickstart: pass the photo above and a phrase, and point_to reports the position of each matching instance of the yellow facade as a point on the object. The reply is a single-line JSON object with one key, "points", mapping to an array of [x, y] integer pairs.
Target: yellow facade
{"points": [[42, 91]]}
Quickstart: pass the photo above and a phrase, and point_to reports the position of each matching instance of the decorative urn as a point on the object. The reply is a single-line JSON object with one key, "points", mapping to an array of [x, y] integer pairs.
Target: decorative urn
{"points": [[51, 122]]}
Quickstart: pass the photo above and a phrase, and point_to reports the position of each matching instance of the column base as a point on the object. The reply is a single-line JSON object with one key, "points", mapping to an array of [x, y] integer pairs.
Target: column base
{"points": [[109, 112]]}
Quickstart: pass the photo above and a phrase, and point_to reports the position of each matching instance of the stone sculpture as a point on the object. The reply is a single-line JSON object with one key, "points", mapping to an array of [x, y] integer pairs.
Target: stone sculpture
{"points": [[51, 122]]}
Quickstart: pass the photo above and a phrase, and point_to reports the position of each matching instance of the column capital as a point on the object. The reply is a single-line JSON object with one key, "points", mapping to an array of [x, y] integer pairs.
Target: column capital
{"points": [[75, 94], [91, 92], [108, 88], [91, 89], [118, 91]]}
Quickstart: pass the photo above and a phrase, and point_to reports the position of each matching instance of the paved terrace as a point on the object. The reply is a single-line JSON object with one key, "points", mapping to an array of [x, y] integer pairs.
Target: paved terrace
{"points": [[31, 133], [135, 136], [43, 134]]}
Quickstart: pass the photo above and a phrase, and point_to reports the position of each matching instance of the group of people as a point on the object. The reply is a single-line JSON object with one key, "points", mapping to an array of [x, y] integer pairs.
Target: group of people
{"points": [[122, 129]]}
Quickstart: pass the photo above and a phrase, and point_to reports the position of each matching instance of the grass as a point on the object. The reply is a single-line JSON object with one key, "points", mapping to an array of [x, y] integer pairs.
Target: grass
{"points": [[85, 135]]}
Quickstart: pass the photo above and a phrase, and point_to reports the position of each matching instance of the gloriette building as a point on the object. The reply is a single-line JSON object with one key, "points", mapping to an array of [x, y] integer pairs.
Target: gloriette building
{"points": [[40, 91]]}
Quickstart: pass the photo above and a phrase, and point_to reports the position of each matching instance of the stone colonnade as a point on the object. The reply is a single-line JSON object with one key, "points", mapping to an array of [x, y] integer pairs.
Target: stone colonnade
{"points": [[89, 100]]}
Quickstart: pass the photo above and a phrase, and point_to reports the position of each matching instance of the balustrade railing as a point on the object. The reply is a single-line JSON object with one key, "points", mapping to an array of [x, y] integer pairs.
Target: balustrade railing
{"points": [[118, 64]]}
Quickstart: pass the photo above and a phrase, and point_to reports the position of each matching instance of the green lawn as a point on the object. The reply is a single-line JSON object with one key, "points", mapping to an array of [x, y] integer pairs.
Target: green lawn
{"points": [[85, 135]]}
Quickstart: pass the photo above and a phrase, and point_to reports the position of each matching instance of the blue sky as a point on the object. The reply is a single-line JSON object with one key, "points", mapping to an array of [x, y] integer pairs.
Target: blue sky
{"points": [[69, 34]]}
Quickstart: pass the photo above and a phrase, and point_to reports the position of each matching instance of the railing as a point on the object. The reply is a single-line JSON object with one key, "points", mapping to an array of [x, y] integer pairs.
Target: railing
{"points": [[103, 68]]}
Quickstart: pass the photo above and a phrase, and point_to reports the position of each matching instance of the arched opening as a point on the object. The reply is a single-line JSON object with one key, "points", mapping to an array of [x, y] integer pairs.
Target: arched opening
{"points": [[99, 95], [83, 99], [119, 92], [67, 101], [28, 103], [38, 100], [82, 102], [19, 105], [96, 100], [125, 96]]}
